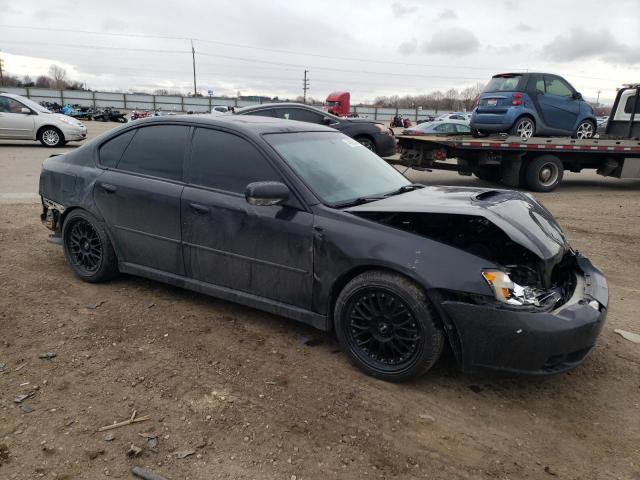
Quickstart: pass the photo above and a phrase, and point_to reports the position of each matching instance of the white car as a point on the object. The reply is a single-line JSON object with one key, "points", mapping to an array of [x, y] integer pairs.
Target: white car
{"points": [[218, 109], [456, 116], [23, 119]]}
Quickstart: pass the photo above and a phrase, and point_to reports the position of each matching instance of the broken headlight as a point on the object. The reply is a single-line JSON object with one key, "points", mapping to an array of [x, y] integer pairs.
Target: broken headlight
{"points": [[509, 292]]}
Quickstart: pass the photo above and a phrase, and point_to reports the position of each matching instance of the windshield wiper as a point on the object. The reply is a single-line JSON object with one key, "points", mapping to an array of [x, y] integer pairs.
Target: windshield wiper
{"points": [[357, 201], [405, 188]]}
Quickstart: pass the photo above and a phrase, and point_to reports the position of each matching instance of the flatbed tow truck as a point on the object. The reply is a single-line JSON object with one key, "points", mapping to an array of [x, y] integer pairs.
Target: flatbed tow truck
{"points": [[537, 163]]}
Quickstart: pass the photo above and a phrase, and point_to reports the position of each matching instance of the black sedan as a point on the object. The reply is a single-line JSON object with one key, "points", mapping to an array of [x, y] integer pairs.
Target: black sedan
{"points": [[376, 136], [302, 221]]}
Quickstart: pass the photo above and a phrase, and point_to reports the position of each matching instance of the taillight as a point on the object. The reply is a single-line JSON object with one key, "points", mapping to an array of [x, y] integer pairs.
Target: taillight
{"points": [[516, 99]]}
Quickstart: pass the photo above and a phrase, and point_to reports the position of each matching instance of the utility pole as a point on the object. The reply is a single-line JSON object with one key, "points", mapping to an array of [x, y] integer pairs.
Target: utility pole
{"points": [[305, 87], [1, 68], [598, 100], [193, 57]]}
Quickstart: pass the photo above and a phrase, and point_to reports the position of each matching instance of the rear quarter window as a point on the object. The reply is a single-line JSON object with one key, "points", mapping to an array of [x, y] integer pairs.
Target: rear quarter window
{"points": [[628, 106], [112, 150]]}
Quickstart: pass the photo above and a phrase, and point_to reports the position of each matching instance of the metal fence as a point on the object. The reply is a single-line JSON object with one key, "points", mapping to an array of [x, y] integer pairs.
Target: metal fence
{"points": [[175, 103]]}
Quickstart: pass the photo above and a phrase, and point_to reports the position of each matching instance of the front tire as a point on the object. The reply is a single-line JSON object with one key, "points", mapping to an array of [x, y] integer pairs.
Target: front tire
{"points": [[586, 129], [387, 327], [525, 128], [87, 247], [51, 137], [544, 173]]}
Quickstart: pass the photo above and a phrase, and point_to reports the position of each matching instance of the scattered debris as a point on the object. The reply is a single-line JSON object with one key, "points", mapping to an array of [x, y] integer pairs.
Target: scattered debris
{"points": [[312, 341], [96, 305], [148, 435], [22, 398], [4, 453], [152, 444], [124, 423], [632, 337], [151, 305], [110, 437], [548, 470], [476, 388], [134, 451], [26, 408], [146, 474], [93, 454], [69, 422], [21, 366], [183, 453], [2, 366], [47, 355], [426, 418]]}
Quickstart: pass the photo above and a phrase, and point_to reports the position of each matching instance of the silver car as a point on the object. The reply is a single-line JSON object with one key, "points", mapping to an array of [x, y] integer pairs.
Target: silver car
{"points": [[23, 119]]}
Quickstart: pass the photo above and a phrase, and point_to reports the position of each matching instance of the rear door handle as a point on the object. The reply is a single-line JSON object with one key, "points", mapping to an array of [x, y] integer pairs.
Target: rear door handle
{"points": [[107, 187], [198, 208]]}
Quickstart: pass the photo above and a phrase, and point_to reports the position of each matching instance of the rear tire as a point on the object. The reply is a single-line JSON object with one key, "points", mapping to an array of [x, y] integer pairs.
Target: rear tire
{"points": [[367, 143], [544, 173], [387, 327], [525, 128], [475, 133], [51, 137], [87, 247]]}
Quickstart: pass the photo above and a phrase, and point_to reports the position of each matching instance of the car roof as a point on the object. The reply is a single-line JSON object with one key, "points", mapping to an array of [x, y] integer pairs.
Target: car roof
{"points": [[243, 123]]}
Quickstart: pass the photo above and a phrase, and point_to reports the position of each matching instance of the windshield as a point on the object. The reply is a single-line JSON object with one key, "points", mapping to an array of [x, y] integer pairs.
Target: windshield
{"points": [[33, 105], [332, 103], [503, 84], [335, 167]]}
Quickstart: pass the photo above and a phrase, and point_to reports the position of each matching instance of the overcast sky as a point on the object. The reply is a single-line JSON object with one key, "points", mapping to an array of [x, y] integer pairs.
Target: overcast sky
{"points": [[367, 47]]}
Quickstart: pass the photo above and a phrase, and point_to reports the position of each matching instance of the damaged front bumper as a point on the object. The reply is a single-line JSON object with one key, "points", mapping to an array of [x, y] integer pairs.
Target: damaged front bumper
{"points": [[532, 342]]}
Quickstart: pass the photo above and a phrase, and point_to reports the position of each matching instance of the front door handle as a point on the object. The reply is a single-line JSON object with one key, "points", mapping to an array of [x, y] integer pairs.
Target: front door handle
{"points": [[198, 208], [107, 187]]}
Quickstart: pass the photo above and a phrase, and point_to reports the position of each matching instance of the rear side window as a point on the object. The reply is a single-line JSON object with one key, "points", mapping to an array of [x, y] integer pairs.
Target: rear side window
{"points": [[157, 150], [446, 128], [507, 83], [227, 162], [628, 107], [267, 112], [111, 152], [557, 86], [299, 114], [463, 129]]}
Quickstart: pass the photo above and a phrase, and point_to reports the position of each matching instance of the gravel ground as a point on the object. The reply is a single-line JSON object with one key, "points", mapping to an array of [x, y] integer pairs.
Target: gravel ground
{"points": [[242, 394]]}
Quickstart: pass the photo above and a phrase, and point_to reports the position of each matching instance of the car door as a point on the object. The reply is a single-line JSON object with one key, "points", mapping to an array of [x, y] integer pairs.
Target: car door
{"points": [[13, 122], [558, 107], [262, 250], [138, 195]]}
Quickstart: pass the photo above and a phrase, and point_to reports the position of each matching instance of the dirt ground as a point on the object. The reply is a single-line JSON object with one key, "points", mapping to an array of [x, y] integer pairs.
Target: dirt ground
{"points": [[241, 394]]}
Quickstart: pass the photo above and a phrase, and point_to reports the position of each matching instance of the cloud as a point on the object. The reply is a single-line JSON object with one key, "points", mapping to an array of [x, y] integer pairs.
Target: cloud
{"points": [[400, 9], [454, 40], [408, 47], [447, 14], [583, 44], [524, 27]]}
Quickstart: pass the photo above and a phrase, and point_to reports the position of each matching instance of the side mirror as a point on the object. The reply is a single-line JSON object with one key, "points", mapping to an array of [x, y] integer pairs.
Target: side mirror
{"points": [[327, 121], [266, 193], [577, 96], [25, 110]]}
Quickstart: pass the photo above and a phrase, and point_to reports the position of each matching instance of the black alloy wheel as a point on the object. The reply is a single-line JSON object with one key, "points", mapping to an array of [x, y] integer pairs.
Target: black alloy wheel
{"points": [[87, 247], [387, 327], [84, 246]]}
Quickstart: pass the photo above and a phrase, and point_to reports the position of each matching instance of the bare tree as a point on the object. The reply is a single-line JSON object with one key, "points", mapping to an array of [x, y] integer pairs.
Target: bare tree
{"points": [[43, 82], [59, 76]]}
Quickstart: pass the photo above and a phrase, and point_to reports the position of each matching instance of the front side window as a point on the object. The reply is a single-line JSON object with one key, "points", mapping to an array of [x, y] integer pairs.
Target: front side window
{"points": [[9, 105], [557, 86], [267, 112], [335, 167], [463, 129], [628, 106], [156, 150], [227, 162]]}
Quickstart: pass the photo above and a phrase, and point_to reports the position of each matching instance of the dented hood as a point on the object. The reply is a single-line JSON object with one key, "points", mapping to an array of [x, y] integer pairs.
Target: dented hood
{"points": [[517, 214]]}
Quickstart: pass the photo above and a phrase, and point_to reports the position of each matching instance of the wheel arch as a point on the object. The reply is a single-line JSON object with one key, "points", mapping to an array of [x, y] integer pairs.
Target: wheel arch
{"points": [[48, 125]]}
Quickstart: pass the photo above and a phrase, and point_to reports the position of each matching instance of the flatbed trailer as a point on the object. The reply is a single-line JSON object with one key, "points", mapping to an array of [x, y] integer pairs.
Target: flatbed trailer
{"points": [[536, 163]]}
